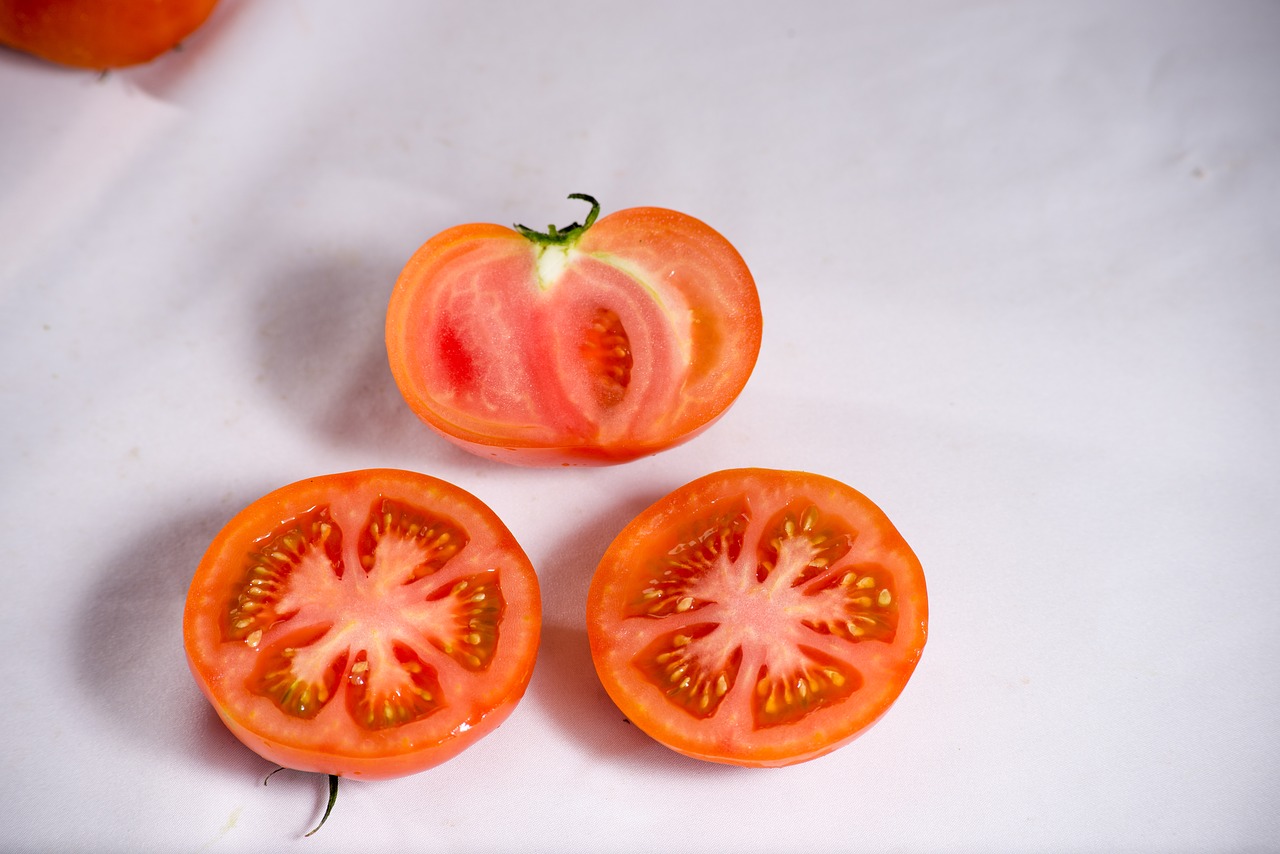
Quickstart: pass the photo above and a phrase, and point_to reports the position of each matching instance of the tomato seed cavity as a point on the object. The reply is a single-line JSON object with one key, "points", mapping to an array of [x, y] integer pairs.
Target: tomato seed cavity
{"points": [[606, 350], [786, 698], [400, 690], [400, 535], [312, 539], [695, 685]]}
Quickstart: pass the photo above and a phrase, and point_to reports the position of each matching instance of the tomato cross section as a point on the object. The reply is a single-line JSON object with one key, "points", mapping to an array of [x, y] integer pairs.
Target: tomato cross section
{"points": [[757, 617], [374, 622]]}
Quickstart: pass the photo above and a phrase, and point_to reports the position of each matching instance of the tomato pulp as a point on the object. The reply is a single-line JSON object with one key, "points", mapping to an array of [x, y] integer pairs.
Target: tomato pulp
{"points": [[369, 624], [98, 34], [593, 344], [757, 617]]}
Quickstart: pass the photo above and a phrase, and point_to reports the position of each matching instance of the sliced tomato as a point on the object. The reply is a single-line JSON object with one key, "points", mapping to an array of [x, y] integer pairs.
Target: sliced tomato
{"points": [[369, 624], [757, 617], [594, 344], [97, 34]]}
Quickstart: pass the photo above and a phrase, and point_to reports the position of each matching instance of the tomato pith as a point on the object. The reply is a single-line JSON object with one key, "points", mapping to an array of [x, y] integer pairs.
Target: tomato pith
{"points": [[757, 617], [368, 624], [618, 339]]}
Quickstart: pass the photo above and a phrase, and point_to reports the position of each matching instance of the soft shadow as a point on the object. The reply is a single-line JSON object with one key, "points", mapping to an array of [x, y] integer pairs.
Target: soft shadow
{"points": [[321, 333], [565, 684], [566, 570], [131, 665], [15, 57], [566, 687], [162, 76]]}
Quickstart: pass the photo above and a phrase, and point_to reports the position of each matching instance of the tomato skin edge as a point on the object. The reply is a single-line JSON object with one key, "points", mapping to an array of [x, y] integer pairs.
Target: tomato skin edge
{"points": [[655, 724], [380, 768], [572, 455]]}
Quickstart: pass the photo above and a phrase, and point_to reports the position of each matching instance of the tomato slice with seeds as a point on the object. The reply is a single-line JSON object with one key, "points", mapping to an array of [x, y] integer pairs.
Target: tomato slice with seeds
{"points": [[757, 617], [593, 344], [368, 624]]}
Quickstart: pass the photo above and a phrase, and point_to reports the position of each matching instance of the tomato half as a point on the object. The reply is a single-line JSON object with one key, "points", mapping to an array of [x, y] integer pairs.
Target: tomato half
{"points": [[757, 617], [594, 344], [99, 34], [369, 624]]}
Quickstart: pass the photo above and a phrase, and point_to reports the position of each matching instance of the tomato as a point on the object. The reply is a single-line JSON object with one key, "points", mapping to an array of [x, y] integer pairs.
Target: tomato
{"points": [[757, 617], [593, 344], [99, 34], [369, 624]]}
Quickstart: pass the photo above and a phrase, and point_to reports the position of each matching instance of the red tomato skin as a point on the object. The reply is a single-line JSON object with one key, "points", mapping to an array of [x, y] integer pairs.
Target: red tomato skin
{"points": [[650, 715], [99, 34], [419, 755], [736, 313]]}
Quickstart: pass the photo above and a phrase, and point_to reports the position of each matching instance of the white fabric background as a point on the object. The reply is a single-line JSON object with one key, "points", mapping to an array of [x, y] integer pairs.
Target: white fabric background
{"points": [[1020, 271]]}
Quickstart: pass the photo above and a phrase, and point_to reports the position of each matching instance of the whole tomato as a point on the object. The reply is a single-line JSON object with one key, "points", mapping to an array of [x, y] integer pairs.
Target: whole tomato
{"points": [[99, 34]]}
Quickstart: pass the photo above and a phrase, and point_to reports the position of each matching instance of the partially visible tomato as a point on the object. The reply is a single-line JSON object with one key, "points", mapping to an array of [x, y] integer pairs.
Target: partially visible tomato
{"points": [[757, 617], [369, 624], [593, 344], [99, 34]]}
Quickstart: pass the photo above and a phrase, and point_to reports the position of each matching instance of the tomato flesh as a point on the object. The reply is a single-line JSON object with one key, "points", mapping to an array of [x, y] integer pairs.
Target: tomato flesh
{"points": [[632, 337], [367, 624], [757, 617]]}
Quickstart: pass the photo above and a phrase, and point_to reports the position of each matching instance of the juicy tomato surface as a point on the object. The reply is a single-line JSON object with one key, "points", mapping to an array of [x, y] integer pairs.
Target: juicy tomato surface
{"points": [[369, 624], [99, 34], [757, 617], [594, 344]]}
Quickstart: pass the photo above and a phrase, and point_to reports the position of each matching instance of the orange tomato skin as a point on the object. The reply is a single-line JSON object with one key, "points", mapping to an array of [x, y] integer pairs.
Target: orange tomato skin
{"points": [[99, 34]]}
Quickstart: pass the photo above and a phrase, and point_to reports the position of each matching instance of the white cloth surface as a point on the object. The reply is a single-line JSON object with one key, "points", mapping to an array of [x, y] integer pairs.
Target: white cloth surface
{"points": [[1020, 272]]}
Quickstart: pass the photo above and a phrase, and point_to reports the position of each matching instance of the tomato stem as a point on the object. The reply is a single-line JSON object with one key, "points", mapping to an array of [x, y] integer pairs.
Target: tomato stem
{"points": [[570, 233], [333, 796]]}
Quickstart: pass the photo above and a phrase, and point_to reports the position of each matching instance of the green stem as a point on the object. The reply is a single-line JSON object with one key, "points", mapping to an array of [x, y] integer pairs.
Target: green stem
{"points": [[333, 796], [568, 234]]}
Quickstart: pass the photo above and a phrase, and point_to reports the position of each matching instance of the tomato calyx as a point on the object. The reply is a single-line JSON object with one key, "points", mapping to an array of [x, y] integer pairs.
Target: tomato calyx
{"points": [[568, 235]]}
